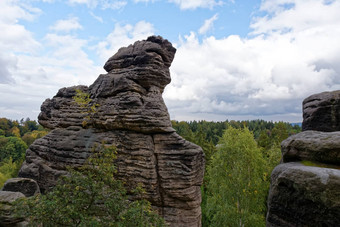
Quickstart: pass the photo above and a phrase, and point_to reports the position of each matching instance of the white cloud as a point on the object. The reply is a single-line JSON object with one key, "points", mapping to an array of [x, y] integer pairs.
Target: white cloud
{"points": [[15, 37], [6, 63], [208, 24], [66, 25], [193, 4], [103, 4], [123, 35], [146, 1], [98, 18], [32, 70], [290, 55]]}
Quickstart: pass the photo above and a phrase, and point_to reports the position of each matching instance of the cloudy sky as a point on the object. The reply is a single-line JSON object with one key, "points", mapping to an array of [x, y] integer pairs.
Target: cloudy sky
{"points": [[236, 59]]}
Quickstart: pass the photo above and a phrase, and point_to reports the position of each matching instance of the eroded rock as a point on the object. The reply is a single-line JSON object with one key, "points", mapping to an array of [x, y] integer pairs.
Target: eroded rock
{"points": [[323, 147], [304, 196], [132, 116], [304, 189], [7, 216], [321, 112], [26, 186]]}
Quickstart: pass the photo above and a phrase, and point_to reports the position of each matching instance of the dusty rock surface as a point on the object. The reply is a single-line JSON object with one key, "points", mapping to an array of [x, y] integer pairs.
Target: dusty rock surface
{"points": [[321, 112], [304, 189], [132, 116]]}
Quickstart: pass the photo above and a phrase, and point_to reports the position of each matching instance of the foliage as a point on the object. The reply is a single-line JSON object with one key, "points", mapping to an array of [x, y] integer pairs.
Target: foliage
{"points": [[84, 101], [237, 183], [8, 169], [13, 147], [89, 196]]}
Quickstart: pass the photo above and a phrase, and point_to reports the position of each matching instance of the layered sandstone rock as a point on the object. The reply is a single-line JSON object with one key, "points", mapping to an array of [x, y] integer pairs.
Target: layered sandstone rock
{"points": [[321, 112], [304, 189], [26, 186], [132, 116]]}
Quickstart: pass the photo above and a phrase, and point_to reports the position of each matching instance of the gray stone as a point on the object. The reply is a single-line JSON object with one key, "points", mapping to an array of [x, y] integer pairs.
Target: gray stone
{"points": [[132, 116], [26, 186], [7, 218], [304, 196], [323, 147], [321, 112]]}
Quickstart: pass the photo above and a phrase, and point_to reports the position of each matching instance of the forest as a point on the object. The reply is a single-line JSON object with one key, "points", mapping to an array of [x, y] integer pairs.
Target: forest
{"points": [[15, 138], [240, 156]]}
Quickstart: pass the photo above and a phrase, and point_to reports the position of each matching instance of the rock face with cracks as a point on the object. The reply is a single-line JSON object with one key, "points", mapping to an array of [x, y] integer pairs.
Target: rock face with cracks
{"points": [[304, 189], [132, 116]]}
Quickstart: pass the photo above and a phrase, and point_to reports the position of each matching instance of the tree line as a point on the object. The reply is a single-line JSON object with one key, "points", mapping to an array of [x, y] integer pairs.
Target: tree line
{"points": [[15, 138], [240, 156]]}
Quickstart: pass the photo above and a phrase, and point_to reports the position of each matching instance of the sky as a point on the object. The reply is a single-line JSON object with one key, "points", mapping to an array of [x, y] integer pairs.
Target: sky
{"points": [[235, 59]]}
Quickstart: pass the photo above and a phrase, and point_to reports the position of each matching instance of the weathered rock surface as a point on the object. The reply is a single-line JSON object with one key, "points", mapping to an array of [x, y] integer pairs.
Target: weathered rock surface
{"points": [[7, 218], [131, 115], [26, 186], [304, 196], [304, 189], [321, 112], [323, 147]]}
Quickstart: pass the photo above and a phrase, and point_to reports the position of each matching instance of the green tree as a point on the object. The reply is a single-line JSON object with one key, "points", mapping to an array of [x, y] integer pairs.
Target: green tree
{"points": [[90, 196], [8, 169], [236, 187], [12, 147]]}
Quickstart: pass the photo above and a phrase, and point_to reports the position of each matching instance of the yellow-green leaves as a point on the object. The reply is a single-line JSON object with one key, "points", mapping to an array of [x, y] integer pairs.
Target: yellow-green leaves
{"points": [[84, 101]]}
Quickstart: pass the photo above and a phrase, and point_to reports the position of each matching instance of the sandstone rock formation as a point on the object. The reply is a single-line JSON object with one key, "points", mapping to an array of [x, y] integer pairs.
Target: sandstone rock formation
{"points": [[26, 186], [321, 112], [304, 189], [7, 218], [131, 115]]}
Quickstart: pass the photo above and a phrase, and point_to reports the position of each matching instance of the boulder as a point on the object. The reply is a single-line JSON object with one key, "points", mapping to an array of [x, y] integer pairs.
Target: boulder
{"points": [[323, 147], [304, 189], [304, 196], [321, 112], [131, 115], [7, 218], [26, 186]]}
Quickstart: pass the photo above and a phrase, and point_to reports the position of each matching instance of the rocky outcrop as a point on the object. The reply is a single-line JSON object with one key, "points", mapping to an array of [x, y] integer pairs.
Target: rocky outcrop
{"points": [[321, 112], [7, 217], [304, 189], [131, 115], [26, 186], [304, 196], [315, 146]]}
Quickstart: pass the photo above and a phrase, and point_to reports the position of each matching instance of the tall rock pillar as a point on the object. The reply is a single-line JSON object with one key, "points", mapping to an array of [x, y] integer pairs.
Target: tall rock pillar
{"points": [[132, 116]]}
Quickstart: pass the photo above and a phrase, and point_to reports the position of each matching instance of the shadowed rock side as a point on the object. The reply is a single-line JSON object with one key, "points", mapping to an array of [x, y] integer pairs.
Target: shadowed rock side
{"points": [[133, 117], [304, 189]]}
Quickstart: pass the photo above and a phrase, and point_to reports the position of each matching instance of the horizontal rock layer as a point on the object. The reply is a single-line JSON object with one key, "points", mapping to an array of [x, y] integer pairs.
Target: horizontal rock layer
{"points": [[323, 147], [169, 167], [131, 115], [304, 189], [321, 112]]}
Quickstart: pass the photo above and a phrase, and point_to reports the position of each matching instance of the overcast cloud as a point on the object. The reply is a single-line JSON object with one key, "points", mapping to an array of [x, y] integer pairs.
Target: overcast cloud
{"points": [[291, 52]]}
